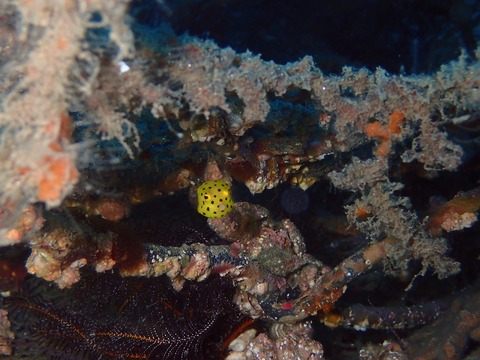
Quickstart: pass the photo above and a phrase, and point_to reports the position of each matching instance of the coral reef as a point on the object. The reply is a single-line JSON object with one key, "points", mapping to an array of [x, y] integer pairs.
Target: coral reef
{"points": [[346, 194]]}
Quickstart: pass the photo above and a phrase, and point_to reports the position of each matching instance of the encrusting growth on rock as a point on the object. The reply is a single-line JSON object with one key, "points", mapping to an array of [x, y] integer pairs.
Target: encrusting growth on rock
{"points": [[124, 145]]}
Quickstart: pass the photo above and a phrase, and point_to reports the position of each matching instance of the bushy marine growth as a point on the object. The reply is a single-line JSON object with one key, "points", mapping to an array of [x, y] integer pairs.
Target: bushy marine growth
{"points": [[183, 111]]}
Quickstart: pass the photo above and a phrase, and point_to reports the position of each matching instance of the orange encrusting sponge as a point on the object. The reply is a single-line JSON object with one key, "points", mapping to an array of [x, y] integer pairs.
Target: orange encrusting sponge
{"points": [[384, 132], [57, 170], [60, 172]]}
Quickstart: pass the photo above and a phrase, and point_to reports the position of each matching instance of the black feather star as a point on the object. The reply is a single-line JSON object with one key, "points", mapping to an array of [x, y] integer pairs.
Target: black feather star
{"points": [[109, 317]]}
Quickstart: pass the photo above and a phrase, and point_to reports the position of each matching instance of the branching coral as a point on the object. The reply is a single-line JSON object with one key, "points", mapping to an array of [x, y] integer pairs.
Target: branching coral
{"points": [[99, 121]]}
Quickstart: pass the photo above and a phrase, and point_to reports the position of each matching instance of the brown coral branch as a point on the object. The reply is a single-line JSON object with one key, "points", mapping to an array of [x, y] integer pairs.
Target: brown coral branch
{"points": [[447, 337], [194, 261], [330, 287], [456, 214], [362, 317]]}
